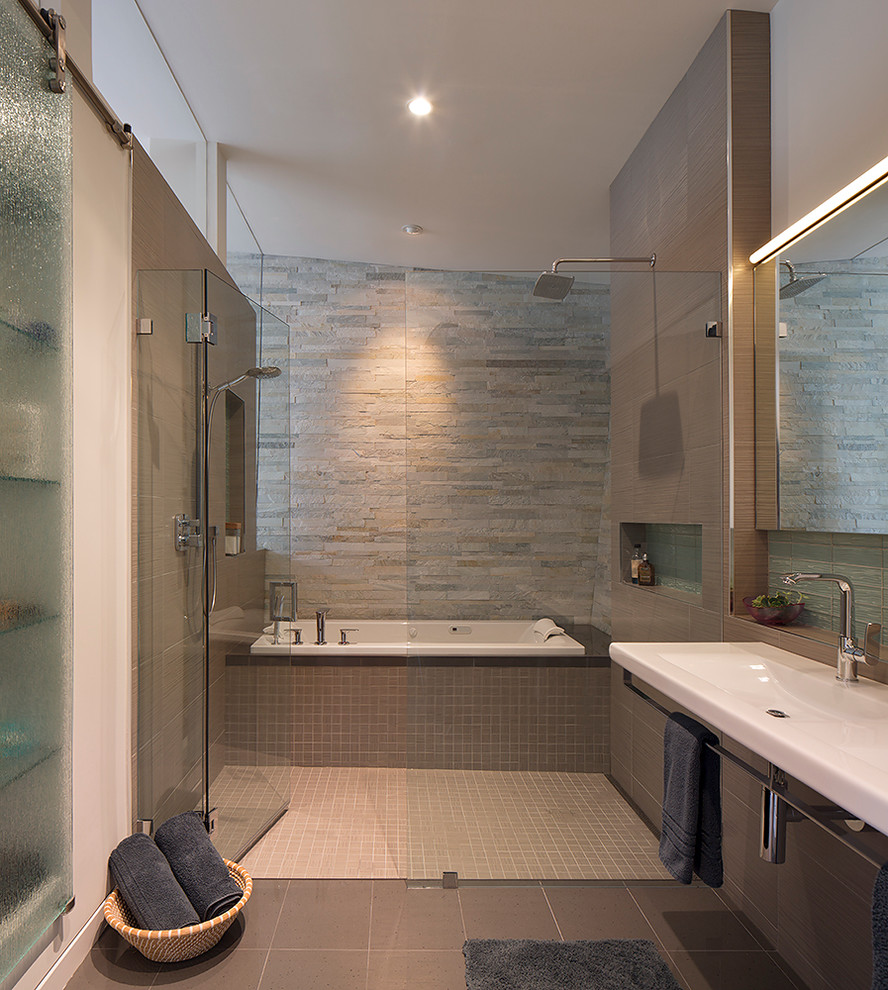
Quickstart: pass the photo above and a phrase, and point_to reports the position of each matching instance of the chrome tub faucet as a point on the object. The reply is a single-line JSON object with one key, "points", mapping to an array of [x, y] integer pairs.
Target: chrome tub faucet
{"points": [[321, 615], [283, 606]]}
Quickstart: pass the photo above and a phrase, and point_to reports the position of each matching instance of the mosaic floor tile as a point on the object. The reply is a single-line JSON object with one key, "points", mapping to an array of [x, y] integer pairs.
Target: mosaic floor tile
{"points": [[369, 823]]}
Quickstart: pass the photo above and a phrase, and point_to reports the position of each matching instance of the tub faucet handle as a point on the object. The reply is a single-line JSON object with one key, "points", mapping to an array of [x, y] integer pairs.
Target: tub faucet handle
{"points": [[343, 636]]}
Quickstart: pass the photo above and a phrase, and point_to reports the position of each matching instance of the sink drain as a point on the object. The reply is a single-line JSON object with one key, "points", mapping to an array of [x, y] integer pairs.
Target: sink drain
{"points": [[777, 713]]}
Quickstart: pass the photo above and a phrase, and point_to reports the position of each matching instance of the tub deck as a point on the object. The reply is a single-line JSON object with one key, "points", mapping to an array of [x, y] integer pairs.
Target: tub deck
{"points": [[389, 638]]}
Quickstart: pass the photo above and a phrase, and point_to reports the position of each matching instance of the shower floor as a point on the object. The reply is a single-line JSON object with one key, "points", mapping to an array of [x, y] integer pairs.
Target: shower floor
{"points": [[246, 799], [352, 822]]}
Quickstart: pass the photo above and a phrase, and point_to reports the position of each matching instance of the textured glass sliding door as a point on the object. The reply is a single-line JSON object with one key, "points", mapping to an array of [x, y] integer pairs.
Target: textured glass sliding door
{"points": [[35, 490]]}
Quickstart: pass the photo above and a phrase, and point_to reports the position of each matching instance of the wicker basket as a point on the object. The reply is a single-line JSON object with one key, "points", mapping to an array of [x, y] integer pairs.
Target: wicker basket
{"points": [[177, 944]]}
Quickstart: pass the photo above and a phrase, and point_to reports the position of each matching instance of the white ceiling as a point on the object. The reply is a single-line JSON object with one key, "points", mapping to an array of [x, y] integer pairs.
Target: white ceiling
{"points": [[537, 107]]}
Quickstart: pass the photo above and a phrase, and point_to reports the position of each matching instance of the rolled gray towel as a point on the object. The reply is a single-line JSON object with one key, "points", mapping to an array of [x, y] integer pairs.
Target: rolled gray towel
{"points": [[197, 865], [143, 876]]}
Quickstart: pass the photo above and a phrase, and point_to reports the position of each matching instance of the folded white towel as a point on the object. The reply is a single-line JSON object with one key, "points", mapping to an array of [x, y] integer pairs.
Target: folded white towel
{"points": [[544, 628]]}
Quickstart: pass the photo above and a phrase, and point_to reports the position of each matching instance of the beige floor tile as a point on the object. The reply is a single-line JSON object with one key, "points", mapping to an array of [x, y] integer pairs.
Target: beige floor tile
{"points": [[377, 823]]}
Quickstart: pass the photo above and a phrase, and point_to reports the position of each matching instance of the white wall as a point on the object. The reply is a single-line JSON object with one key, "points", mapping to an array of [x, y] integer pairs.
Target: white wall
{"points": [[101, 718], [829, 92]]}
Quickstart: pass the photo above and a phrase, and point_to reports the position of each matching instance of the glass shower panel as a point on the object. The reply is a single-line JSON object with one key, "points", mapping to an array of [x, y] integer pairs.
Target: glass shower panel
{"points": [[346, 519], [509, 522], [35, 490], [170, 592], [249, 727]]}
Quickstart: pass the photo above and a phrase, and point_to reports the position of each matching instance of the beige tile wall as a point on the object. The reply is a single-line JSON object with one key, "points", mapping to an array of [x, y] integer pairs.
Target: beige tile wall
{"points": [[674, 196]]}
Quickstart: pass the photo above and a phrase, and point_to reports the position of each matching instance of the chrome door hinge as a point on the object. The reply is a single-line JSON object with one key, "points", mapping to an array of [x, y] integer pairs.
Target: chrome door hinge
{"points": [[200, 327], [57, 62]]}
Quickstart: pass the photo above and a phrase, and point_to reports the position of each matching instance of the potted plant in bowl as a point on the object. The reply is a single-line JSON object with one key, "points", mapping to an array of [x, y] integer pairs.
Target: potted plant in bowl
{"points": [[778, 609]]}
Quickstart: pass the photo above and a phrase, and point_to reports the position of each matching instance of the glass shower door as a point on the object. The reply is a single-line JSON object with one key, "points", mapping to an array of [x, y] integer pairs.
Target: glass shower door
{"points": [[170, 614], [202, 560], [249, 724]]}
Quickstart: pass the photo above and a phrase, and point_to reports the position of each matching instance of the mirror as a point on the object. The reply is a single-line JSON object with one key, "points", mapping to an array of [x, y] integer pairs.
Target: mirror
{"points": [[821, 353]]}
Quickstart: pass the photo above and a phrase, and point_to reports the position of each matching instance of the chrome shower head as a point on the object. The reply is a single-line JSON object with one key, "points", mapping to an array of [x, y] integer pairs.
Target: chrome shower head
{"points": [[795, 286], [553, 286], [260, 373], [798, 283]]}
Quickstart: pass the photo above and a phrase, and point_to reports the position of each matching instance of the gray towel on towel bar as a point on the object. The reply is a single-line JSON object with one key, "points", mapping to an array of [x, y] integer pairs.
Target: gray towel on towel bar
{"points": [[880, 930], [690, 841], [197, 865], [145, 881]]}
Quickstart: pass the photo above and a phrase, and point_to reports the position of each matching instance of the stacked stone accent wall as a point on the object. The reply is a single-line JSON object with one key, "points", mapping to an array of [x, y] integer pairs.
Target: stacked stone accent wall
{"points": [[449, 442]]}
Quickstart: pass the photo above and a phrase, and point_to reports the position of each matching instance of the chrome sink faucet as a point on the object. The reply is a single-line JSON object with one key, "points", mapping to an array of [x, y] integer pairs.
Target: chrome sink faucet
{"points": [[848, 653]]}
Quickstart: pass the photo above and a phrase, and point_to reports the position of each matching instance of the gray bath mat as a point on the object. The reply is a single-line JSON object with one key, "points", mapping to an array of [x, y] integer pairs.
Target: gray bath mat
{"points": [[535, 964]]}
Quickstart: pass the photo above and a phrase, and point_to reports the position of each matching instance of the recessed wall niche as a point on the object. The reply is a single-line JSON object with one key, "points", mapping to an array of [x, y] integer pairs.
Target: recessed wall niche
{"points": [[675, 550]]}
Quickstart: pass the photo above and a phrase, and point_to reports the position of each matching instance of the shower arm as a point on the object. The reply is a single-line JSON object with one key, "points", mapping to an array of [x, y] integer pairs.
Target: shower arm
{"points": [[652, 260]]}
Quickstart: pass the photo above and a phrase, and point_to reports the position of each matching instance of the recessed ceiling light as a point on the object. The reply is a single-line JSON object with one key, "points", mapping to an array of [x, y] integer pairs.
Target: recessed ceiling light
{"points": [[412, 228], [420, 106]]}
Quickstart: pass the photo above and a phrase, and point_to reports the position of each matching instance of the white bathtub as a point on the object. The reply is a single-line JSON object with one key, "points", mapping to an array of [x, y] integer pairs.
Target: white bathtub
{"points": [[382, 638]]}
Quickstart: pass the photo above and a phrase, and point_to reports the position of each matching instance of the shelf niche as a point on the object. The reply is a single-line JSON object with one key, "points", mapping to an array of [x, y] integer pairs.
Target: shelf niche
{"points": [[675, 550]]}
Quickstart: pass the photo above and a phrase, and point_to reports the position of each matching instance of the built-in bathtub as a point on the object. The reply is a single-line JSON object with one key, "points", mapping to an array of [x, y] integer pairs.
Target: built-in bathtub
{"points": [[486, 695], [384, 638]]}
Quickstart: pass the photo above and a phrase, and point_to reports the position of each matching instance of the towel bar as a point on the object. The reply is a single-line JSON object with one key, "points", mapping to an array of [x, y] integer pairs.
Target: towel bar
{"points": [[777, 799]]}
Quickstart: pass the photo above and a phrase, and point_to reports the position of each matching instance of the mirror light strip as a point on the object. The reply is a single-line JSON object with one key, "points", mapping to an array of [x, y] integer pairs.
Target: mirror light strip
{"points": [[829, 208]]}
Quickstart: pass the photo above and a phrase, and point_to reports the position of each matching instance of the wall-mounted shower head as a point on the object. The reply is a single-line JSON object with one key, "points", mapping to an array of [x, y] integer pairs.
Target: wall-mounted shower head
{"points": [[551, 285], [799, 283]]}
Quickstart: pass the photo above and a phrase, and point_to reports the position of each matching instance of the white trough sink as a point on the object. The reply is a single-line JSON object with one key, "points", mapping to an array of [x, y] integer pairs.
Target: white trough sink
{"points": [[835, 738]]}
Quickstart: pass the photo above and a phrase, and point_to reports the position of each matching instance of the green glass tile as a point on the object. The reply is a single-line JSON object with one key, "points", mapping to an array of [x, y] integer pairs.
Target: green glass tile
{"points": [[857, 539], [867, 556], [861, 578], [803, 539]]}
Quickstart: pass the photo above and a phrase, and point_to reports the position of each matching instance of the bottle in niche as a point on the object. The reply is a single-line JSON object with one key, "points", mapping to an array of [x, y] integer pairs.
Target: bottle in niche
{"points": [[634, 561], [645, 571]]}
